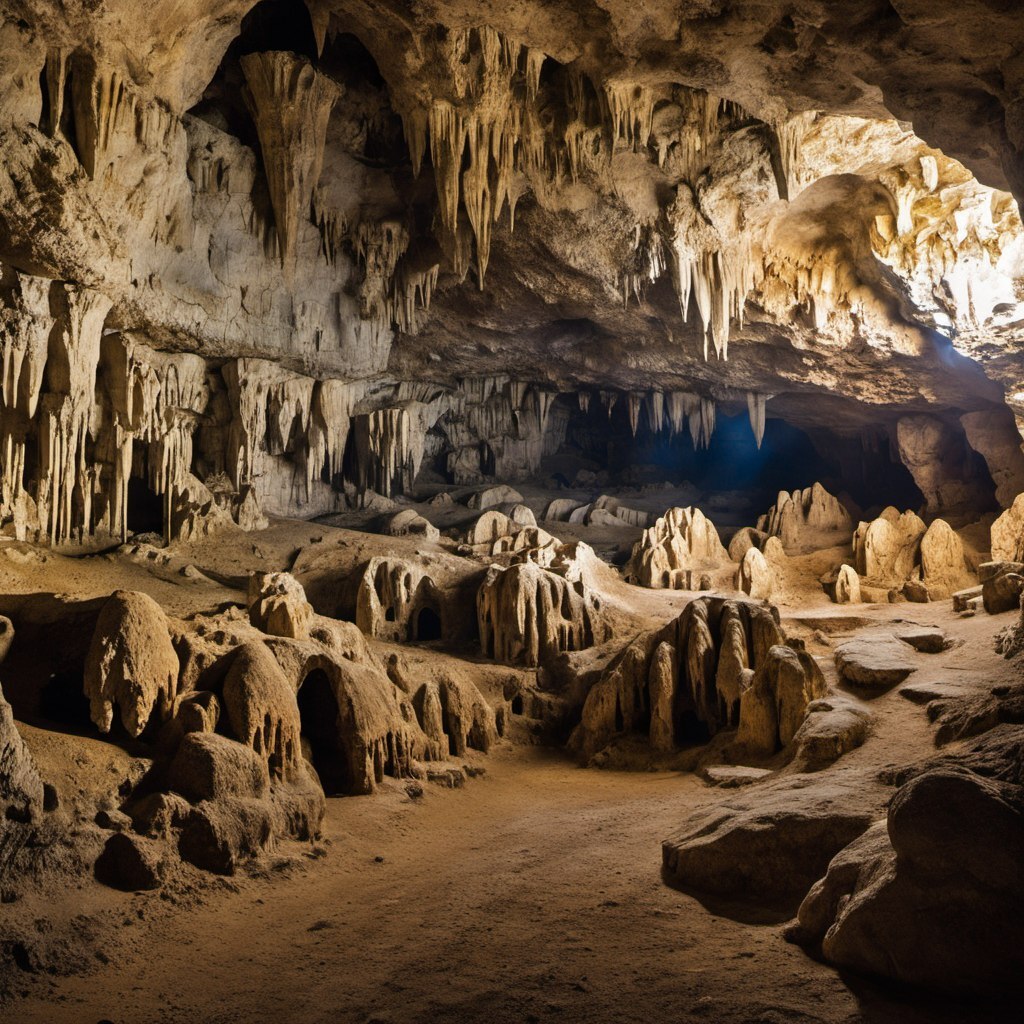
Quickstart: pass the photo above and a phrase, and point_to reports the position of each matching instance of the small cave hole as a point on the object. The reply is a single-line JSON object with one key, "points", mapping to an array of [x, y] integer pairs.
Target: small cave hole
{"points": [[428, 624], [323, 743]]}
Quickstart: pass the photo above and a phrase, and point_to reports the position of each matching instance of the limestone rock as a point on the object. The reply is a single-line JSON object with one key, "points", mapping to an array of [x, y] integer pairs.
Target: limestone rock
{"points": [[744, 539], [491, 496], [1008, 533], [278, 605], [409, 523], [679, 543], [770, 846], [993, 434], [948, 831], [6, 636], [942, 560], [717, 666], [1001, 592], [806, 520], [222, 834], [846, 589], [21, 790], [887, 549], [131, 863], [527, 615], [131, 663], [833, 726], [211, 767], [876, 662], [755, 576], [397, 600], [261, 710]]}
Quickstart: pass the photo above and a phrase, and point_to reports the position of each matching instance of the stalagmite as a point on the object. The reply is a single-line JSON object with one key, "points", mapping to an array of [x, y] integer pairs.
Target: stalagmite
{"points": [[527, 615], [807, 519], [291, 103], [676, 551]]}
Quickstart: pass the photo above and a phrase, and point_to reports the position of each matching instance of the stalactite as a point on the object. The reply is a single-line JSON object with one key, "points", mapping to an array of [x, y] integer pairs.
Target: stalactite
{"points": [[632, 112], [755, 410], [584, 399], [104, 103], [290, 103], [790, 134], [635, 399], [656, 410], [608, 400]]}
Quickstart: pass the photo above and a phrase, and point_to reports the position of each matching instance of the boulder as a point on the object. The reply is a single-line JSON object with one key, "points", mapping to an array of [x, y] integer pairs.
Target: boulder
{"points": [[278, 605], [943, 568], [888, 549], [501, 494], [875, 662], [847, 586], [131, 863], [1007, 533], [770, 845], [131, 663], [211, 767], [409, 523], [755, 576], [934, 895], [220, 835], [832, 726], [1001, 592]]}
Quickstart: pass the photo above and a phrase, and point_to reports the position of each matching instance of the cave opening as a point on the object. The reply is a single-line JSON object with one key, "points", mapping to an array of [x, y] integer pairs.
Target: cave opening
{"points": [[323, 742], [428, 625], [145, 507]]}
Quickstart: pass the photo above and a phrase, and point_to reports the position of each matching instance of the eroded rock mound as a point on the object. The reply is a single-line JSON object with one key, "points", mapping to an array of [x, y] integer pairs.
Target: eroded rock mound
{"points": [[278, 605], [806, 520], [131, 664], [397, 600], [721, 664], [676, 551], [897, 551], [528, 615]]}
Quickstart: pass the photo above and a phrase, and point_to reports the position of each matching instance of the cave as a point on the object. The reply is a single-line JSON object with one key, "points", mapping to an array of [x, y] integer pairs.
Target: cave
{"points": [[319, 718], [585, 437]]}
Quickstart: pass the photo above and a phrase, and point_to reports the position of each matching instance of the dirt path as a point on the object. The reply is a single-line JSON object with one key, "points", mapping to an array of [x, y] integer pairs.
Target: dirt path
{"points": [[532, 894]]}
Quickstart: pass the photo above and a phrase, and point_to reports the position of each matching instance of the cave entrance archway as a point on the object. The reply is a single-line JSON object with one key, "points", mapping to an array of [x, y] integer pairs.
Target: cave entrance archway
{"points": [[145, 507], [428, 624], [323, 744]]}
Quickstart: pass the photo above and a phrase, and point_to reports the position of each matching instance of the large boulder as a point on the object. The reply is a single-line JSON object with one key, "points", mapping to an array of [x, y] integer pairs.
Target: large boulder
{"points": [[212, 767], [875, 662], [769, 844], [934, 895], [131, 663], [131, 863], [1007, 533]]}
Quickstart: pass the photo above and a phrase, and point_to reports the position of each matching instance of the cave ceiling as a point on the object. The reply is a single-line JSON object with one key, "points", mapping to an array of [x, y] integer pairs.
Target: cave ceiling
{"points": [[808, 201]]}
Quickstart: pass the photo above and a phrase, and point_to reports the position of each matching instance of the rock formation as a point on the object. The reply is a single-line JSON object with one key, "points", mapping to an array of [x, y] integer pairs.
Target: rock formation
{"points": [[397, 600], [680, 547], [131, 664], [721, 664], [527, 615], [808, 519]]}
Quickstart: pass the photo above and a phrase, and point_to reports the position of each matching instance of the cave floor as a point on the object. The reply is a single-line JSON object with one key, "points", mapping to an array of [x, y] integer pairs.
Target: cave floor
{"points": [[532, 893]]}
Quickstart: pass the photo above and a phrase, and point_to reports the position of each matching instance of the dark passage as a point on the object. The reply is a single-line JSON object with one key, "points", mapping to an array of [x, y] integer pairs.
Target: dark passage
{"points": [[322, 742]]}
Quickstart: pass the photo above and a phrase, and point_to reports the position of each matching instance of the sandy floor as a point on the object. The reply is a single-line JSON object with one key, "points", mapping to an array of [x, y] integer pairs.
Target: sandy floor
{"points": [[532, 894]]}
